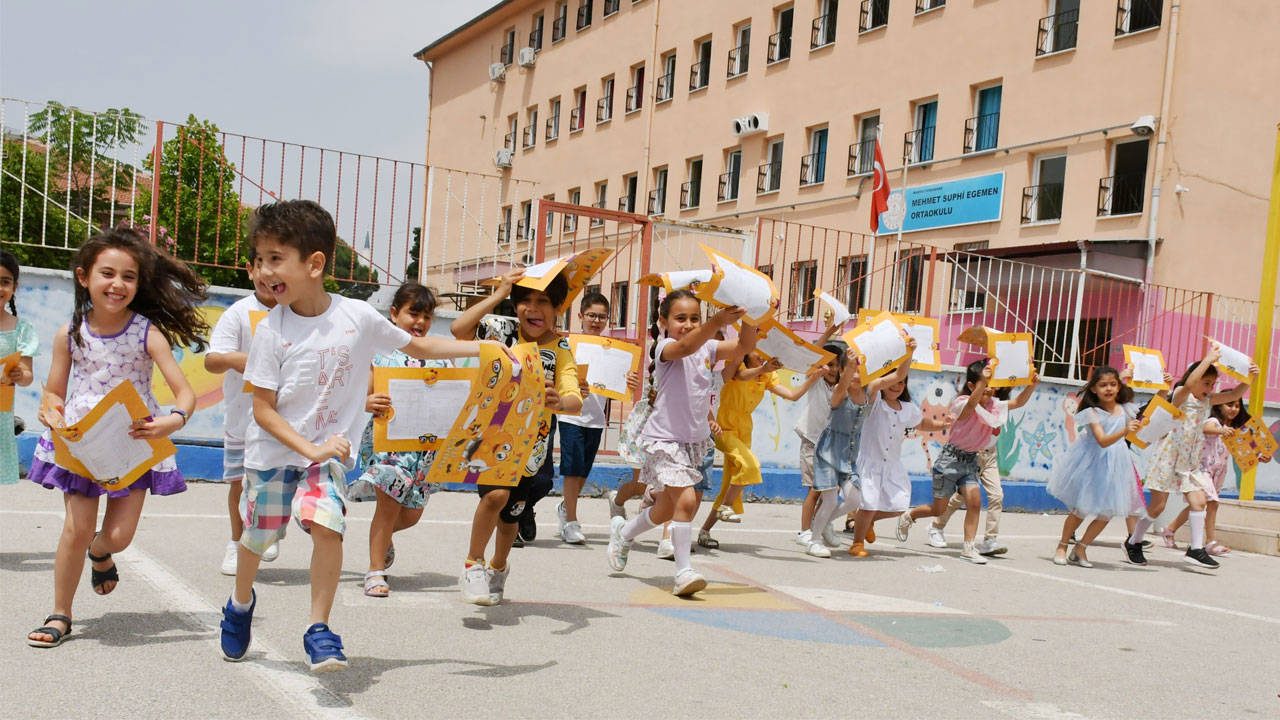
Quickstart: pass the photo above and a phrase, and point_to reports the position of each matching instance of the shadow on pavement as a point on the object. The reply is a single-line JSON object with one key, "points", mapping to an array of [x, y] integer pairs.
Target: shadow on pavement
{"points": [[132, 629], [575, 617], [27, 562]]}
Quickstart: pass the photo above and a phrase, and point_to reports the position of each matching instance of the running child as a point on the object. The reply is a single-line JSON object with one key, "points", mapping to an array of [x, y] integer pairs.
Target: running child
{"points": [[228, 351], [505, 511], [395, 481], [814, 417], [1177, 458], [309, 365], [677, 434], [16, 335], [1095, 478], [132, 302]]}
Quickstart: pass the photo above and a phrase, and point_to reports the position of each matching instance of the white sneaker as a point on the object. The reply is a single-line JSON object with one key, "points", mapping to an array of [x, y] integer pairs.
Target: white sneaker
{"points": [[272, 552], [904, 526], [618, 547], [936, 538], [562, 517], [666, 551], [817, 550], [572, 533], [991, 546], [498, 582], [474, 585], [688, 582], [804, 537], [970, 553], [829, 537], [614, 509], [230, 558]]}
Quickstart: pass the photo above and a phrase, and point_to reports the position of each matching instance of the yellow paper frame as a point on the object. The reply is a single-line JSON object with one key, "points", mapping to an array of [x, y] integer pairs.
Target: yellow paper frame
{"points": [[851, 337], [609, 344], [907, 320], [1223, 366], [1156, 402], [577, 269], [1249, 441], [1129, 351], [7, 364], [381, 382], [993, 338], [123, 394], [772, 324], [706, 291]]}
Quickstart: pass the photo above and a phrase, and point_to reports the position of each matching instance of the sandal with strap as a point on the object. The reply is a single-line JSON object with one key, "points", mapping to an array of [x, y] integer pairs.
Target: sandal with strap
{"points": [[390, 557], [373, 581], [727, 514], [1080, 560], [706, 541], [53, 632], [98, 578], [848, 525], [1060, 560]]}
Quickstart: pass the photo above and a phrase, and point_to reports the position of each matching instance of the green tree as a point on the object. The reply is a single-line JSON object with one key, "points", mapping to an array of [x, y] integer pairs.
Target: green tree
{"points": [[26, 218], [411, 270], [348, 276]]}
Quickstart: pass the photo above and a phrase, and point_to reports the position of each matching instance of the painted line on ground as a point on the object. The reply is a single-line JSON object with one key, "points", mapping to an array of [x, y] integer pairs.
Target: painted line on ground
{"points": [[302, 693]]}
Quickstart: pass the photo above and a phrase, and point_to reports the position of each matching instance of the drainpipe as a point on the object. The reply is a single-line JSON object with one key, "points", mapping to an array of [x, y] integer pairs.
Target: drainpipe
{"points": [[651, 80], [425, 245], [1162, 137]]}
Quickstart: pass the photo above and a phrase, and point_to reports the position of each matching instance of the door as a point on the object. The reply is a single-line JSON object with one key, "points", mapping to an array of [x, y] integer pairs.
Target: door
{"points": [[818, 156]]}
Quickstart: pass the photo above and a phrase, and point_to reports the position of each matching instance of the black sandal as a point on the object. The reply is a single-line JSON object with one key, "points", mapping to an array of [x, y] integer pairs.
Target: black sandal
{"points": [[57, 635], [101, 577], [848, 526]]}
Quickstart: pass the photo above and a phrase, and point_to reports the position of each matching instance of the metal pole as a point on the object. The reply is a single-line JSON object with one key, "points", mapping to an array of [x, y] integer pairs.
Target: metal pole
{"points": [[1074, 358], [1266, 309], [155, 182]]}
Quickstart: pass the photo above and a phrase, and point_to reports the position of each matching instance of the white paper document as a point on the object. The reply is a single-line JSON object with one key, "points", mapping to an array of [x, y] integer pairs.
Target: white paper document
{"points": [[1237, 361], [541, 269], [1013, 360], [681, 279], [745, 289], [923, 335], [421, 409], [1162, 423], [882, 345], [792, 356], [839, 311], [1147, 368], [607, 368], [106, 450]]}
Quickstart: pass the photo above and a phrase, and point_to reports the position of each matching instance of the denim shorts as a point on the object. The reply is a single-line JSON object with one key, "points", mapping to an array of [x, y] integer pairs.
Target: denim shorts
{"points": [[578, 446], [706, 468], [232, 462], [954, 469]]}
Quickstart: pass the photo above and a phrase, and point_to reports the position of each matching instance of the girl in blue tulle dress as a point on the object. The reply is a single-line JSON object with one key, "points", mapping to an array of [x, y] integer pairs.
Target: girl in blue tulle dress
{"points": [[1095, 477]]}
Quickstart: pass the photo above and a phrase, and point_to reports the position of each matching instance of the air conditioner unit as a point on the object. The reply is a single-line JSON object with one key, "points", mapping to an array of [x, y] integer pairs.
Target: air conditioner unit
{"points": [[503, 158], [527, 57], [752, 123], [526, 259], [498, 72]]}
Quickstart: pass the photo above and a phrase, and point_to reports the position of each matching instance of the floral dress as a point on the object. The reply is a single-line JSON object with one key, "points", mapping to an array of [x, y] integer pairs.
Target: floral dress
{"points": [[401, 475], [1177, 457], [1215, 459], [24, 340]]}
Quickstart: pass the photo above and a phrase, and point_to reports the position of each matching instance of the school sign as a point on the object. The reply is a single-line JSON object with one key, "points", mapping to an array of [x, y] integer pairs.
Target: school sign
{"points": [[941, 205]]}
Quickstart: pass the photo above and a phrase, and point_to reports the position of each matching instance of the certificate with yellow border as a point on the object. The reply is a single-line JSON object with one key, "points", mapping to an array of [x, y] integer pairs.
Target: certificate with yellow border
{"points": [[425, 402], [607, 361], [1012, 353], [1148, 367], [734, 284], [99, 447], [1158, 420], [879, 344], [7, 364], [924, 330]]}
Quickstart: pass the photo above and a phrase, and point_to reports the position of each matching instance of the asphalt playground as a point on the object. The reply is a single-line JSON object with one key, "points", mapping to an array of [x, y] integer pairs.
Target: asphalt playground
{"points": [[908, 632]]}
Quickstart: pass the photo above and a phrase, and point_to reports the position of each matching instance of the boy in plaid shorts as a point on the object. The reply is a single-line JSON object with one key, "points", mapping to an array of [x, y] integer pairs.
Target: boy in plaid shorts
{"points": [[309, 366]]}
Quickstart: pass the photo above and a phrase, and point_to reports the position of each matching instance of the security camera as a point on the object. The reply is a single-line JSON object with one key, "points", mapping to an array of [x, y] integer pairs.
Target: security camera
{"points": [[1143, 126]]}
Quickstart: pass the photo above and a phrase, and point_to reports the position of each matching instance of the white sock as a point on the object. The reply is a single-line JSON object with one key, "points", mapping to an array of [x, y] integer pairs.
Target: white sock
{"points": [[851, 498], [1196, 520], [1140, 528], [637, 525], [240, 607], [823, 515], [681, 534]]}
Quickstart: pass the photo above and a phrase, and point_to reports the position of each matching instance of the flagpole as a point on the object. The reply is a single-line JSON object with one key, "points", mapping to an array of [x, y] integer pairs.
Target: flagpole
{"points": [[898, 246]]}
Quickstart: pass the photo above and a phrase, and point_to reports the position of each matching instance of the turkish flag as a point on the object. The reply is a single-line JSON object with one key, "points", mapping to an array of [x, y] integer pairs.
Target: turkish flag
{"points": [[879, 190]]}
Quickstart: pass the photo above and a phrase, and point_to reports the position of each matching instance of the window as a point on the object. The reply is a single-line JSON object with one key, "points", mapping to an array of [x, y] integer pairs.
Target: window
{"points": [[918, 144], [741, 52], [1122, 193], [924, 6], [766, 270], [769, 176], [862, 153], [982, 131], [560, 23], [535, 35], [577, 116], [968, 272], [553, 122], [627, 203], [571, 221], [851, 281], [691, 190], [604, 106], [1042, 201], [508, 50], [1137, 15], [813, 167], [666, 81], [602, 193], [908, 281], [635, 93], [780, 40], [1053, 342], [1057, 32], [658, 195], [875, 14], [531, 127], [729, 178], [824, 25], [804, 280], [513, 123], [611, 7], [549, 227], [618, 303], [700, 71], [584, 15], [504, 226], [524, 228]]}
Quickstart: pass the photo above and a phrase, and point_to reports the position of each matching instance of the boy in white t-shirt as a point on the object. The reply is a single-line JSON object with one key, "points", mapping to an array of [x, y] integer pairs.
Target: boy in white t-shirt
{"points": [[227, 353], [309, 365]]}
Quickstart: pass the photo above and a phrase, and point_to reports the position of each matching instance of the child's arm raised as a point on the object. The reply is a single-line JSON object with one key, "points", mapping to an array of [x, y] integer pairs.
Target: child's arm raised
{"points": [[848, 380], [266, 415], [438, 348], [795, 393], [1236, 392], [897, 376], [741, 345], [1025, 396], [975, 396], [689, 344], [1180, 395], [827, 335], [183, 396], [55, 387], [746, 373], [464, 326]]}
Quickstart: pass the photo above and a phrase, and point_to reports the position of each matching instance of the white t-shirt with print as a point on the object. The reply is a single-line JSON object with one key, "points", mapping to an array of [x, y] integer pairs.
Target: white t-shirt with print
{"points": [[232, 334], [319, 368], [816, 414]]}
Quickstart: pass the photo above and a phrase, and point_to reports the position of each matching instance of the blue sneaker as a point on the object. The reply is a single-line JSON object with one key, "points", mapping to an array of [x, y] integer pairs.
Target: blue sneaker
{"points": [[235, 630], [324, 648]]}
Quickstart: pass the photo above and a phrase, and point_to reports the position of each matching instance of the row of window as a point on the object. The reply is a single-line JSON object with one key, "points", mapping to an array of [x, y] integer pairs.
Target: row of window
{"points": [[583, 18]]}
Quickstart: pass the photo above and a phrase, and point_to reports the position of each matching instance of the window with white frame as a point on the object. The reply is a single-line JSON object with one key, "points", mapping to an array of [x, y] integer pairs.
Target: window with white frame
{"points": [[1042, 201], [740, 54], [729, 179], [602, 194], [970, 275], [658, 195], [813, 166], [618, 303], [804, 280], [665, 88], [780, 40]]}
